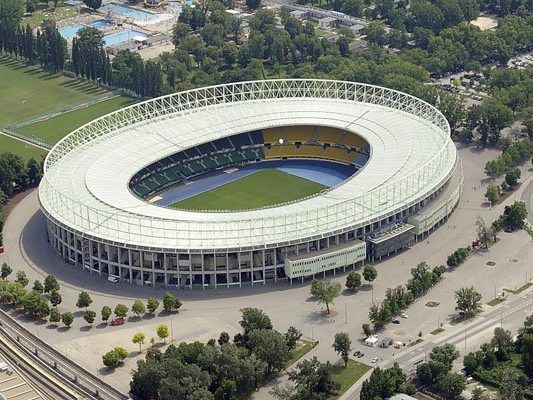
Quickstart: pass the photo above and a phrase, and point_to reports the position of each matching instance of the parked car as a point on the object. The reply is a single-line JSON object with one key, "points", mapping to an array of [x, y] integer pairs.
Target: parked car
{"points": [[117, 321], [395, 321], [361, 355], [404, 315], [375, 360], [113, 279]]}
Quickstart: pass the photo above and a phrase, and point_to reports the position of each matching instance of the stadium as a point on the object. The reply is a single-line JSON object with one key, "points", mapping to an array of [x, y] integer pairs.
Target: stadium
{"points": [[250, 183]]}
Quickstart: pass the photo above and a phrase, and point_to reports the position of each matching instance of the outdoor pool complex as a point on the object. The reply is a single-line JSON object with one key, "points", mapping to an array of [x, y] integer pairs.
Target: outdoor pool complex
{"points": [[101, 24], [70, 31], [138, 17], [123, 36]]}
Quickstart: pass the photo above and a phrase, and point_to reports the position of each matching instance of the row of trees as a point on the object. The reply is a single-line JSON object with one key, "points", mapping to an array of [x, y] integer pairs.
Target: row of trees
{"points": [[89, 59], [398, 299], [512, 156], [218, 369], [47, 47], [385, 383], [504, 362], [15, 176], [436, 374]]}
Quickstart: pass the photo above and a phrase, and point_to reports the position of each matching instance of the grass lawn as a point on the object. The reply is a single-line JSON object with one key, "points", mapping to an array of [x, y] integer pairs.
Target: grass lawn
{"points": [[520, 289], [26, 151], [302, 348], [54, 129], [346, 377], [495, 301], [262, 188], [61, 12], [29, 91]]}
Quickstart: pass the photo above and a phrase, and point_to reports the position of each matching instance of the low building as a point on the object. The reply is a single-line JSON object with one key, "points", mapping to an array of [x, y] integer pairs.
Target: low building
{"points": [[327, 23]]}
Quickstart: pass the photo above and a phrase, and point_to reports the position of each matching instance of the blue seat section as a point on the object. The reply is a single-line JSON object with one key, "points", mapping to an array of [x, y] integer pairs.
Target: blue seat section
{"points": [[179, 167]]}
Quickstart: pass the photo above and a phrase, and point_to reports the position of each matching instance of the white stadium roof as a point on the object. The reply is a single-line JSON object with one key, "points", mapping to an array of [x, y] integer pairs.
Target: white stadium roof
{"points": [[87, 174]]}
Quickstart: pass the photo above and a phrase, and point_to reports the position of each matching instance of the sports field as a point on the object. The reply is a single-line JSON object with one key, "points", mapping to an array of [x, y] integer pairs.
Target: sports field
{"points": [[54, 129], [27, 92], [24, 150], [262, 188]]}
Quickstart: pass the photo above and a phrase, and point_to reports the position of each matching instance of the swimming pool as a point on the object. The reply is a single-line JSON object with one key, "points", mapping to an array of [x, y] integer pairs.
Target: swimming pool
{"points": [[122, 36], [101, 24], [139, 17], [176, 7], [70, 31]]}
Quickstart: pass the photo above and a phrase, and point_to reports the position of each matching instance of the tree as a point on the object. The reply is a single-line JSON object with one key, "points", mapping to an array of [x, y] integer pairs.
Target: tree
{"points": [[139, 338], [114, 357], [94, 4], [51, 284], [6, 271], [89, 316], [55, 298], [269, 346], [513, 384], [342, 345], [468, 300], [121, 311], [503, 343], [67, 318], [383, 383], [105, 313], [493, 192], [253, 319], [292, 336], [370, 273], [353, 280], [162, 332], [152, 305], [55, 315], [367, 331], [138, 308], [37, 286], [312, 380], [22, 278], [452, 385], [84, 300], [111, 359], [327, 291], [315, 285], [512, 177], [223, 338], [514, 216], [170, 302], [485, 233], [253, 4], [445, 354]]}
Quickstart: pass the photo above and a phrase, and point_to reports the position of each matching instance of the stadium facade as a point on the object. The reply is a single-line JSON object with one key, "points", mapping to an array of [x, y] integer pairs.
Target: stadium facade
{"points": [[100, 181]]}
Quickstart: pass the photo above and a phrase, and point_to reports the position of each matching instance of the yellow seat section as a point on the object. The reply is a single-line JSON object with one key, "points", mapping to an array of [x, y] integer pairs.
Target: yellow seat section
{"points": [[356, 141], [280, 151], [329, 135]]}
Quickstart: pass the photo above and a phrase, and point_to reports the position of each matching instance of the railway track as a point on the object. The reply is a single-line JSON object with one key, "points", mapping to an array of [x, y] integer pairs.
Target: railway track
{"points": [[52, 372]]}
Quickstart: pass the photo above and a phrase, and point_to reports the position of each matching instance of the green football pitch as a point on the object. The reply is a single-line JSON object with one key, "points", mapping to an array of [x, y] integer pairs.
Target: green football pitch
{"points": [[26, 92], [54, 129], [260, 189]]}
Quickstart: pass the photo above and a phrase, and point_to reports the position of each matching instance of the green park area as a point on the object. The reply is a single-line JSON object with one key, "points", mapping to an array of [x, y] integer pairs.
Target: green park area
{"points": [[347, 376], [260, 189], [62, 11]]}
